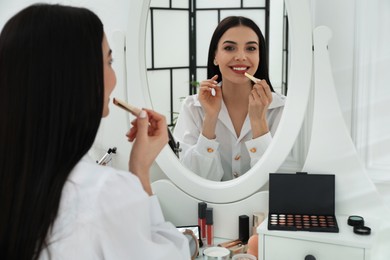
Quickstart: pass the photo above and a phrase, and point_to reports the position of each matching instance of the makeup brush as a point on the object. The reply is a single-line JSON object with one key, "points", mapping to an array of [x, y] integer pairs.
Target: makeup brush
{"points": [[249, 76], [129, 108], [135, 111]]}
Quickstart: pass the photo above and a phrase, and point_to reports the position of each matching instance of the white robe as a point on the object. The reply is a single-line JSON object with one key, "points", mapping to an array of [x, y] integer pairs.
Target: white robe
{"points": [[227, 156], [105, 214]]}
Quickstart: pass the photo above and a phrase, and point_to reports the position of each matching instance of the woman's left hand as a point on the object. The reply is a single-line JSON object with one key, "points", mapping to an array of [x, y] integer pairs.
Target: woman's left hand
{"points": [[150, 134], [259, 101]]}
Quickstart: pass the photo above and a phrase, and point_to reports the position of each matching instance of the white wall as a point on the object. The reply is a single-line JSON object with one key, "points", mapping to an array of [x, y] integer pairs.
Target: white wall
{"points": [[339, 16], [360, 57], [113, 14]]}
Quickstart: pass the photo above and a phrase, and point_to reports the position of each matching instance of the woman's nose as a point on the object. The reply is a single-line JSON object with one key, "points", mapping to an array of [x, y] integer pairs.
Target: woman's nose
{"points": [[240, 55]]}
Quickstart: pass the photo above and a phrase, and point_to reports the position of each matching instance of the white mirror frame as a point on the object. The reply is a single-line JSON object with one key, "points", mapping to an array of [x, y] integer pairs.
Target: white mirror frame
{"points": [[299, 82]]}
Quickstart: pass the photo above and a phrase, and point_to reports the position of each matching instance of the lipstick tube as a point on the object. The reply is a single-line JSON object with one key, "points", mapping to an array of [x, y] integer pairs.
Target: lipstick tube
{"points": [[209, 227], [202, 218], [243, 228]]}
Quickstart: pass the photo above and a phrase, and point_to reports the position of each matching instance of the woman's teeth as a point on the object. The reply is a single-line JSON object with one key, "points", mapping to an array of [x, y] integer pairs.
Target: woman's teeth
{"points": [[240, 68]]}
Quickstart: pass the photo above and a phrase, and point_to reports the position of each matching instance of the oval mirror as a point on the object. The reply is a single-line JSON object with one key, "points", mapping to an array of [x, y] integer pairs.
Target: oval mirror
{"points": [[299, 80], [187, 27]]}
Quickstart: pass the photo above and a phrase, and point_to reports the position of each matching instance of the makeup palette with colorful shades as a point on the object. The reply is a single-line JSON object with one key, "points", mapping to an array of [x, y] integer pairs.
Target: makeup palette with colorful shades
{"points": [[302, 202]]}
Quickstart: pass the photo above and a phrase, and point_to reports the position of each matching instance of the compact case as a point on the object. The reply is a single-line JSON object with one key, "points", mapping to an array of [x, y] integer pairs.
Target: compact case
{"points": [[302, 202]]}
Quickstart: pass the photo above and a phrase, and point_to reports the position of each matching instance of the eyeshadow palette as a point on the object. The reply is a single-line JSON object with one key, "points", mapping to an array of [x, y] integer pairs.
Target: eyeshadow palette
{"points": [[302, 202], [297, 222]]}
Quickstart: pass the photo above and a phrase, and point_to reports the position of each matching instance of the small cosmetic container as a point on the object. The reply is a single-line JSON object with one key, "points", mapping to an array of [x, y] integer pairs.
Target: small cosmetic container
{"points": [[216, 253], [209, 227], [355, 221], [244, 257], [358, 225], [202, 219]]}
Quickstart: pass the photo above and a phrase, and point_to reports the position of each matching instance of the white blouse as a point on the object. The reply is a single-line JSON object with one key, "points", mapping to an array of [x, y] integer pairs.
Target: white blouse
{"points": [[105, 214], [227, 156]]}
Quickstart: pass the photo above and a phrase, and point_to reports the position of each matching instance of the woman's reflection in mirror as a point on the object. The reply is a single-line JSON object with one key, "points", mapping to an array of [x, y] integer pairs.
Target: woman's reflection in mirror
{"points": [[226, 128]]}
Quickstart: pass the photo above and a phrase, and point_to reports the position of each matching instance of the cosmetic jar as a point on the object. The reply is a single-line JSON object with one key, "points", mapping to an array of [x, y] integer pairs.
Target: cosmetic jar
{"points": [[216, 253], [244, 257], [355, 221], [362, 230]]}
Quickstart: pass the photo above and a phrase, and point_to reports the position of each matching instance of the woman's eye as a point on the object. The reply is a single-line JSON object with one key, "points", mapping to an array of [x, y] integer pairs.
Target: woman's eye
{"points": [[252, 48], [228, 48], [111, 61]]}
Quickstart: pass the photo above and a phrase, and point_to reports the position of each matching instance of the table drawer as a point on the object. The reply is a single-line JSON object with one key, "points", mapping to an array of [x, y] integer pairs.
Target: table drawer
{"points": [[279, 248]]}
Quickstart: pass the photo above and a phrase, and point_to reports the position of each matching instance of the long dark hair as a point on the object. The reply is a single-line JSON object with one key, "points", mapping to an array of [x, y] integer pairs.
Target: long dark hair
{"points": [[51, 103], [223, 26]]}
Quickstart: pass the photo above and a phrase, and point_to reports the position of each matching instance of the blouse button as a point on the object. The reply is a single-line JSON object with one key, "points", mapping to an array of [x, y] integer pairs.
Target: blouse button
{"points": [[238, 157], [253, 150], [236, 174], [210, 150]]}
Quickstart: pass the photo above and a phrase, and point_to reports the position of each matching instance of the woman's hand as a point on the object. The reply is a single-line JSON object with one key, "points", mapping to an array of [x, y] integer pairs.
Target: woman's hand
{"points": [[259, 101], [210, 103], [210, 97], [150, 134]]}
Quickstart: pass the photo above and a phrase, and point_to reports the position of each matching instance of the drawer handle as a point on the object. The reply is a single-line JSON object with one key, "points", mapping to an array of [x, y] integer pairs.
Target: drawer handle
{"points": [[310, 257]]}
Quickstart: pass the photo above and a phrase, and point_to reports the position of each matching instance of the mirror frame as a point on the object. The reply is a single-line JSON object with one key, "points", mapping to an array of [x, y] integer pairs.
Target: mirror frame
{"points": [[299, 81]]}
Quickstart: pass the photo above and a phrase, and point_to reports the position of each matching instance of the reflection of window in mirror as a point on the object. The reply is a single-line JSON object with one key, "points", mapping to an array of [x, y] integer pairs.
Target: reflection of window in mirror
{"points": [[177, 40]]}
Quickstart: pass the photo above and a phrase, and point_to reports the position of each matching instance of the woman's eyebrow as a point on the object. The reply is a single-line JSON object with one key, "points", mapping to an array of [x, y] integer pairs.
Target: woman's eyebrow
{"points": [[233, 42], [110, 52], [230, 42]]}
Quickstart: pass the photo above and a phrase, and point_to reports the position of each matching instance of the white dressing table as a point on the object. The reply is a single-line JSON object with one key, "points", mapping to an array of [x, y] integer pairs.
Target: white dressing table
{"points": [[300, 245]]}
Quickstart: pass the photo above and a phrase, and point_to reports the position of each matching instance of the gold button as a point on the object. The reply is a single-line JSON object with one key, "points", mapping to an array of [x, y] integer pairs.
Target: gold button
{"points": [[253, 150], [238, 157], [210, 150]]}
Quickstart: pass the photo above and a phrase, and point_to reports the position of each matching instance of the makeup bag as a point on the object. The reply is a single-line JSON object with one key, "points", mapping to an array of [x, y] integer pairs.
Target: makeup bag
{"points": [[302, 202]]}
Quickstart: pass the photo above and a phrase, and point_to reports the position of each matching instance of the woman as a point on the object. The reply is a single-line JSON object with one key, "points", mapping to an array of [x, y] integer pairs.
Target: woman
{"points": [[55, 84], [226, 128]]}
